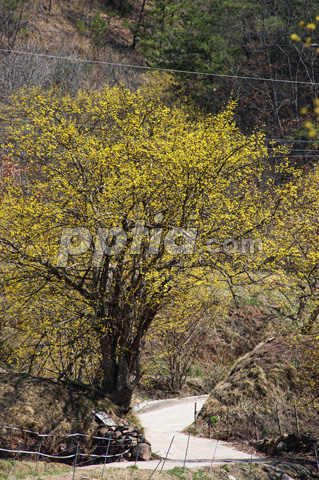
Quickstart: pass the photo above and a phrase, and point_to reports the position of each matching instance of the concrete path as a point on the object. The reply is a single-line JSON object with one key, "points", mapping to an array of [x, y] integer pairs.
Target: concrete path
{"points": [[163, 420]]}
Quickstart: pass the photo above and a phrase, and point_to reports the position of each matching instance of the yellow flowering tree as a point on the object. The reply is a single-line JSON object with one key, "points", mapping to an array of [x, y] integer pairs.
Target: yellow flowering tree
{"points": [[123, 201], [296, 263]]}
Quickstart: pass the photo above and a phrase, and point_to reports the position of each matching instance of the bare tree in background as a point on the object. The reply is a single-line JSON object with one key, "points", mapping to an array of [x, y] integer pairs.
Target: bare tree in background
{"points": [[13, 21]]}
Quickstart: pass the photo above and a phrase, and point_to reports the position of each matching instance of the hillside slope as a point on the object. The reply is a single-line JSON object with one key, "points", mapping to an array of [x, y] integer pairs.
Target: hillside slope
{"points": [[259, 397], [30, 405]]}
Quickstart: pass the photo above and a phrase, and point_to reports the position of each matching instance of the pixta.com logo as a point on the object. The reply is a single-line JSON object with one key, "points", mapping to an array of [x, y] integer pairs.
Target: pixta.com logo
{"points": [[176, 241]]}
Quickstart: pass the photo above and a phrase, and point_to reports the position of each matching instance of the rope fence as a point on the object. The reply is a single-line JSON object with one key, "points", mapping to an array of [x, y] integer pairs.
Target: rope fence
{"points": [[73, 455], [64, 457], [97, 450], [232, 423], [42, 435]]}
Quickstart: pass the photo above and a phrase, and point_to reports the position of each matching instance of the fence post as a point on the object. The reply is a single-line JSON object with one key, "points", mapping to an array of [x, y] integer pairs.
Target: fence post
{"points": [[167, 452], [211, 465], [255, 425], [107, 451], [36, 465], [138, 452], [252, 444], [186, 451], [316, 454], [251, 456], [195, 418], [76, 458], [149, 478]]}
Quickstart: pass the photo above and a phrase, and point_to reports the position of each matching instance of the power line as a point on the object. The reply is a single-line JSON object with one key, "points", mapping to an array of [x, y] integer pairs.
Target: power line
{"points": [[294, 156], [299, 150], [290, 140], [144, 67]]}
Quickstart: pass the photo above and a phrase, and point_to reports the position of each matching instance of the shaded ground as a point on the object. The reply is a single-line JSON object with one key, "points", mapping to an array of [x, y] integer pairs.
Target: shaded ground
{"points": [[47, 407]]}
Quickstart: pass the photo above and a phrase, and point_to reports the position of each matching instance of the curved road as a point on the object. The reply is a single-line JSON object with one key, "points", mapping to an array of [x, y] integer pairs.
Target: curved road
{"points": [[164, 420]]}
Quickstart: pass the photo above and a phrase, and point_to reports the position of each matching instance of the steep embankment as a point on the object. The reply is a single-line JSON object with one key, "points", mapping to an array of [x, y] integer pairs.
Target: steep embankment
{"points": [[37, 405], [259, 397]]}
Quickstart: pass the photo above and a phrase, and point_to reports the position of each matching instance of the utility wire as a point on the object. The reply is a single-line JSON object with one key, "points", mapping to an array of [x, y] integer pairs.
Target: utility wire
{"points": [[290, 140], [299, 150], [144, 67]]}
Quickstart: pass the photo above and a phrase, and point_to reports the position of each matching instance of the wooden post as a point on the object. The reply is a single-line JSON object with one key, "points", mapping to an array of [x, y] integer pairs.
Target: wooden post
{"points": [[227, 413], [209, 427], [195, 418]]}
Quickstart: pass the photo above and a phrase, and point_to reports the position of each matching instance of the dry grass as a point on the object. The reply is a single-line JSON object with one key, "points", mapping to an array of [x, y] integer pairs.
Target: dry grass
{"points": [[260, 384], [25, 471], [45, 406]]}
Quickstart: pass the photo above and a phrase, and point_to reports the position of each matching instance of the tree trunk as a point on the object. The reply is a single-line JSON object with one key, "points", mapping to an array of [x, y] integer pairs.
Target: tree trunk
{"points": [[138, 24], [119, 374], [119, 5], [310, 323]]}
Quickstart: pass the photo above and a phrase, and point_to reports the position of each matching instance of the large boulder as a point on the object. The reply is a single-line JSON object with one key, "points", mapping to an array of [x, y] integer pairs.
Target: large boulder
{"points": [[286, 471], [142, 452]]}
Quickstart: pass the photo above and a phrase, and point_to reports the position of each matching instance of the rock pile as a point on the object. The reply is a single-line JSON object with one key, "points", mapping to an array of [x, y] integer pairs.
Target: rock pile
{"points": [[125, 441], [289, 443], [286, 471]]}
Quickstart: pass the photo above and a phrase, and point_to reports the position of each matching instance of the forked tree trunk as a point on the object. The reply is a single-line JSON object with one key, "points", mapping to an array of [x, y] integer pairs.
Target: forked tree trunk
{"points": [[119, 375]]}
